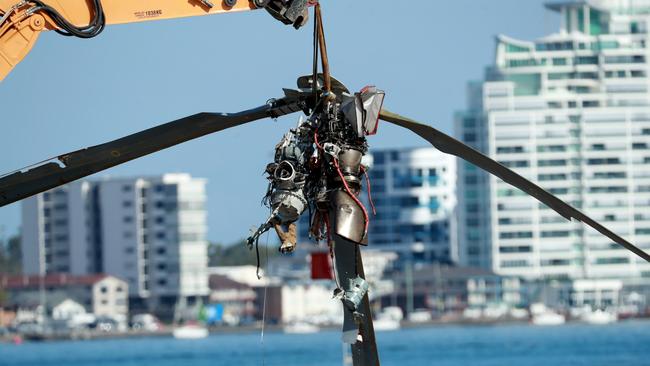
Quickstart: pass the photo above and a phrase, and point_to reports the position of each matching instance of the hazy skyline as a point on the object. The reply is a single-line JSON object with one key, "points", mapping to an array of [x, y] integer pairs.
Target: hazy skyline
{"points": [[71, 93]]}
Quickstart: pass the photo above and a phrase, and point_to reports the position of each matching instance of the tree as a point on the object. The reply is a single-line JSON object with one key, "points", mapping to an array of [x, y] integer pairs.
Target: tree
{"points": [[4, 297], [10, 256], [236, 254]]}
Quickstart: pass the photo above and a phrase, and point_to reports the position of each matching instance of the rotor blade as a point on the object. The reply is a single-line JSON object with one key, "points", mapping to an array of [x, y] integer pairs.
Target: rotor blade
{"points": [[449, 145], [78, 164]]}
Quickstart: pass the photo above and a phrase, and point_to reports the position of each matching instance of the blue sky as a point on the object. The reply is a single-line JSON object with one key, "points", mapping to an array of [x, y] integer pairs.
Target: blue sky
{"points": [[71, 93]]}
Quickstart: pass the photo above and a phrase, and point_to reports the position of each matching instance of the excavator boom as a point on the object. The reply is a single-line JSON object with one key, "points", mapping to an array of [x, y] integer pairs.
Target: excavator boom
{"points": [[22, 21]]}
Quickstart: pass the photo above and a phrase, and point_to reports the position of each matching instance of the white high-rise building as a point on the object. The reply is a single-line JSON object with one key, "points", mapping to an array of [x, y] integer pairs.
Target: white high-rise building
{"points": [[570, 111], [150, 232]]}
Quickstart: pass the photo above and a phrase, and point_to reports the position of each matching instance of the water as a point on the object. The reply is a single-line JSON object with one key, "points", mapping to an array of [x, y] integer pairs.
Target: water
{"points": [[624, 344]]}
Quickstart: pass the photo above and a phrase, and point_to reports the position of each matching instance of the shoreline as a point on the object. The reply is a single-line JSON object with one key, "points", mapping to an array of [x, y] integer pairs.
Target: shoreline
{"points": [[167, 332]]}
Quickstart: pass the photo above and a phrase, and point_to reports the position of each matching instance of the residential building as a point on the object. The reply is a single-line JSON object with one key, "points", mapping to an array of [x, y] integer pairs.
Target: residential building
{"points": [[149, 231], [100, 294], [570, 111], [414, 193], [235, 299]]}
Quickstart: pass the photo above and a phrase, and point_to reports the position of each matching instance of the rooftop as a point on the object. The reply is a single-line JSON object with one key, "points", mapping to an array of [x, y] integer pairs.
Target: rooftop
{"points": [[605, 5], [50, 280]]}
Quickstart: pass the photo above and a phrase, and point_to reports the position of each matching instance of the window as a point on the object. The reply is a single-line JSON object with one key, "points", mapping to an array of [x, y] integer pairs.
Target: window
{"points": [[608, 189], [60, 207], [516, 163], [409, 201], [555, 262], [527, 62], [377, 174], [547, 177], [518, 249], [551, 148], [379, 158], [638, 73], [603, 161], [555, 234], [510, 149], [511, 48], [554, 162], [469, 137], [642, 231], [525, 84], [612, 260], [554, 46], [624, 59], [586, 60], [514, 263], [559, 61], [609, 175], [516, 235]]}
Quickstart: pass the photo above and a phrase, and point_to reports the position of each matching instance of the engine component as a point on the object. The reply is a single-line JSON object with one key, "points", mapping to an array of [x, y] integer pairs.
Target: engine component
{"points": [[288, 205], [362, 110], [357, 290], [289, 11]]}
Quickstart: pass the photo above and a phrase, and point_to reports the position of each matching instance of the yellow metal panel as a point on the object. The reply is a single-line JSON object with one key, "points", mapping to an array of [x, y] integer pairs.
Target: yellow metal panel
{"points": [[130, 11], [21, 30]]}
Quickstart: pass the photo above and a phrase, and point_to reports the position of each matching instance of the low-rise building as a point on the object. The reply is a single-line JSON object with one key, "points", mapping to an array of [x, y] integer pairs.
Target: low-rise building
{"points": [[236, 299], [100, 294], [449, 289]]}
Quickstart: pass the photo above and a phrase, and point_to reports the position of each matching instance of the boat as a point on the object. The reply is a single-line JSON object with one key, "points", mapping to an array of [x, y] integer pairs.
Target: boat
{"points": [[385, 324], [541, 315], [193, 328], [548, 318], [300, 328], [190, 331], [599, 317], [388, 319]]}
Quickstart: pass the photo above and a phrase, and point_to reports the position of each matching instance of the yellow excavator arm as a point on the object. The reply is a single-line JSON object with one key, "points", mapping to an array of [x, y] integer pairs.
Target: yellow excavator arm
{"points": [[22, 21]]}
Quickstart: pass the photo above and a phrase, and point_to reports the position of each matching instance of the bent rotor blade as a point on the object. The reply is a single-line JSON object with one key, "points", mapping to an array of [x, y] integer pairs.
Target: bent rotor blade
{"points": [[449, 145], [81, 163]]}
